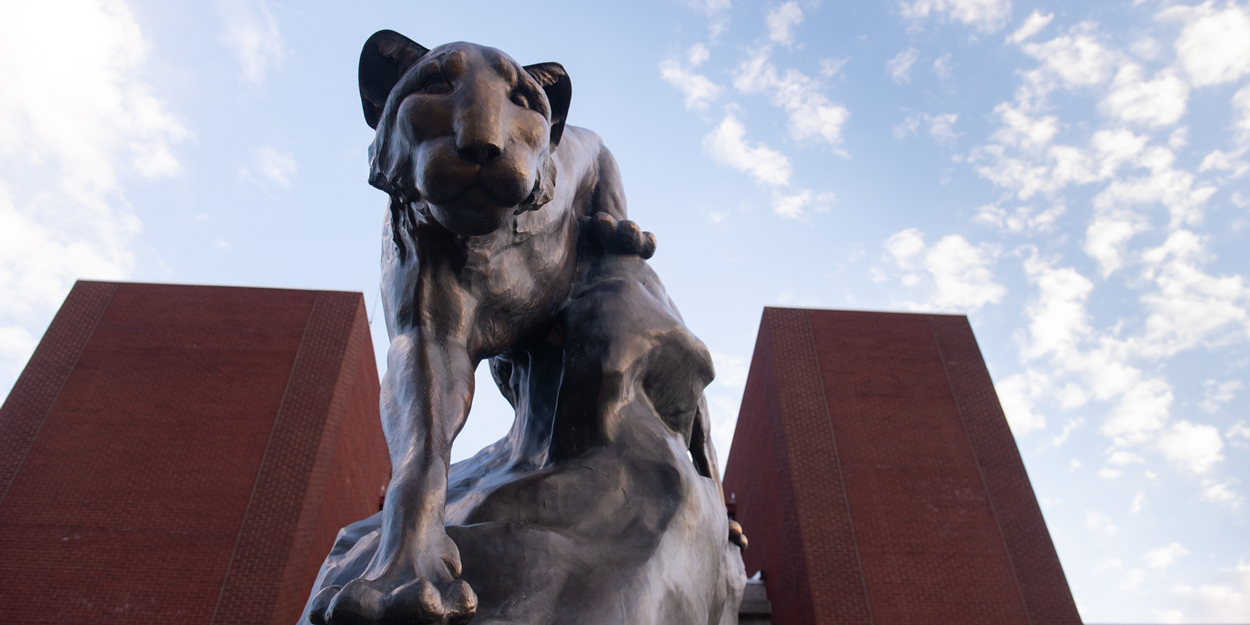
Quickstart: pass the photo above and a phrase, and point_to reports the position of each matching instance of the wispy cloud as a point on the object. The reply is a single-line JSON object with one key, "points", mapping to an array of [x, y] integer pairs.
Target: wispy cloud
{"points": [[781, 21], [717, 12], [252, 34], [813, 116], [941, 127], [1032, 25], [727, 145], [1164, 557], [984, 15], [270, 165], [899, 67], [698, 89]]}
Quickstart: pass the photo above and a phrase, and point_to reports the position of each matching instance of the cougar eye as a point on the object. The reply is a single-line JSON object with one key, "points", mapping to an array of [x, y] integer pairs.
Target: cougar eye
{"points": [[520, 100], [436, 85], [433, 80]]}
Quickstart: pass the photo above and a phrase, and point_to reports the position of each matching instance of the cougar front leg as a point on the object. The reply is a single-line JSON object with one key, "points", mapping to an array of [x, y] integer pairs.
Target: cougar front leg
{"points": [[426, 394]]}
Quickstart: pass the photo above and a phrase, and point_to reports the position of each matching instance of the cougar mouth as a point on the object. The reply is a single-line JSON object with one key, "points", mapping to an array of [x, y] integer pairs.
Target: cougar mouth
{"points": [[471, 199], [473, 212]]}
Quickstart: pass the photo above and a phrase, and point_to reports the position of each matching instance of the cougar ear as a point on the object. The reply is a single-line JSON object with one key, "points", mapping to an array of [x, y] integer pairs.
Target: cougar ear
{"points": [[383, 61], [555, 81]]}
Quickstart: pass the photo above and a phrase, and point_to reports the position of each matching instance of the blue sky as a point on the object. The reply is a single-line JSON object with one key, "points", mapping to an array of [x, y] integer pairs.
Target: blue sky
{"points": [[1072, 176]]}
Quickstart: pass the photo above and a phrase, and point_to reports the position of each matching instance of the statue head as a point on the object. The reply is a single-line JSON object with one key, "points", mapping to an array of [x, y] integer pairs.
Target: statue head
{"points": [[464, 132]]}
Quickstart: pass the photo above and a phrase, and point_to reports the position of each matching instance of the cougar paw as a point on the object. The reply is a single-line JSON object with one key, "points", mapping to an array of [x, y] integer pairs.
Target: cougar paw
{"points": [[453, 603], [621, 237], [320, 604], [418, 602], [736, 536]]}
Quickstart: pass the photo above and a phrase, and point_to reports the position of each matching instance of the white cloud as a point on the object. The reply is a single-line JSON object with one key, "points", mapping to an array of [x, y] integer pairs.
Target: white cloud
{"points": [[698, 54], [1219, 160], [1108, 235], [1188, 306], [956, 272], [1059, 330], [1072, 395], [1025, 159], [271, 165], [1164, 557], [1147, 48], [941, 127], [1100, 523], [1032, 25], [1058, 321], [1214, 46], [1139, 501], [1075, 59], [1017, 397], [16, 345], [1120, 457], [1022, 219], [727, 145], [1239, 430], [813, 117], [1158, 102], [905, 246], [1142, 410], [1221, 493], [1117, 219], [1194, 448], [77, 117], [252, 34], [781, 21], [984, 15], [962, 274], [1108, 473], [1068, 428], [717, 12], [796, 205], [698, 89], [943, 66], [830, 67], [1021, 130], [899, 67], [1227, 601]]}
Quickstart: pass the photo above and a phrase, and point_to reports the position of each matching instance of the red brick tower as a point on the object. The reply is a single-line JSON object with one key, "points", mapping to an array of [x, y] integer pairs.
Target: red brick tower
{"points": [[876, 478], [185, 454]]}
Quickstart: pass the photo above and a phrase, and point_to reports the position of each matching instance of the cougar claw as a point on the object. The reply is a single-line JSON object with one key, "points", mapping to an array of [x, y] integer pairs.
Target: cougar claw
{"points": [[621, 237], [418, 602]]}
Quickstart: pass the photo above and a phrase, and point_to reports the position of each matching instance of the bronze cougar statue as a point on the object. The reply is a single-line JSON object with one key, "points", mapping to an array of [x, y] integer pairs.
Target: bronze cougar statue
{"points": [[507, 240]]}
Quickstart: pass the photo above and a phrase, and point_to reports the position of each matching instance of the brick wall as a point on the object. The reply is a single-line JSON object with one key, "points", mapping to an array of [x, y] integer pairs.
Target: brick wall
{"points": [[884, 473], [178, 453]]}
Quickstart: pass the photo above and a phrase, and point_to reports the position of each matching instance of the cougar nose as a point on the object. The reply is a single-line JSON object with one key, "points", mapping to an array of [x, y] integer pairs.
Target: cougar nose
{"points": [[479, 152]]}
